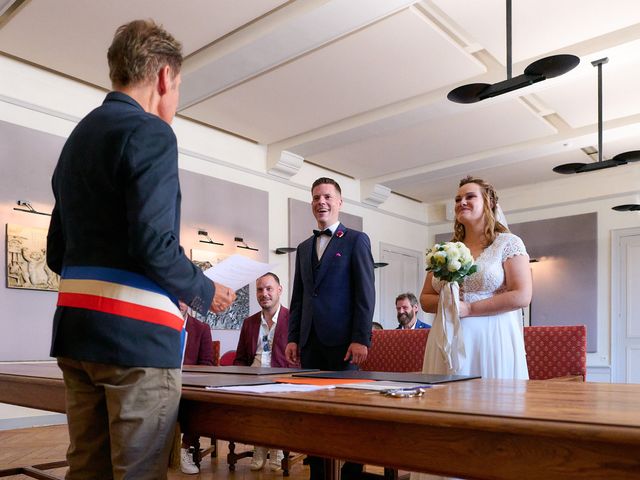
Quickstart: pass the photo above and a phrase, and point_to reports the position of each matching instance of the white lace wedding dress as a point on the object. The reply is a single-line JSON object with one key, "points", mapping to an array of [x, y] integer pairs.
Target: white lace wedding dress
{"points": [[494, 345]]}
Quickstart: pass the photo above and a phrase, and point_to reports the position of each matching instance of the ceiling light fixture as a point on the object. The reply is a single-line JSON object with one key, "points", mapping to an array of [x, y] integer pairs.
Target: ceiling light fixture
{"points": [[627, 207], [207, 238], [620, 159], [548, 67]]}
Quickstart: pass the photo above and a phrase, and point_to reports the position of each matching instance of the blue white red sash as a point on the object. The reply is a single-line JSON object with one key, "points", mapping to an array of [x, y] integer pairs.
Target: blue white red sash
{"points": [[118, 292]]}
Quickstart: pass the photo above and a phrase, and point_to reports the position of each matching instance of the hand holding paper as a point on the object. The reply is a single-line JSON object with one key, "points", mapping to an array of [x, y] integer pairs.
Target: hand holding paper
{"points": [[222, 299], [232, 274]]}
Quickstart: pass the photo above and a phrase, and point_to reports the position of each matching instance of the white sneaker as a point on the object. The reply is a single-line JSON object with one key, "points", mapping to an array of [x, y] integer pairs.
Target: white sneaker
{"points": [[275, 460], [187, 465], [259, 458]]}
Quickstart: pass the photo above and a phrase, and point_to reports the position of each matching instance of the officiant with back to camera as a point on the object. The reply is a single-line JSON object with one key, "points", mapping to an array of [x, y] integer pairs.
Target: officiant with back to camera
{"points": [[479, 332]]}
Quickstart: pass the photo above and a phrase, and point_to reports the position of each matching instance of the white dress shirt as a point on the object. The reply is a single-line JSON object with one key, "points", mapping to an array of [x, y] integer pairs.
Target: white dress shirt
{"points": [[323, 240], [265, 338]]}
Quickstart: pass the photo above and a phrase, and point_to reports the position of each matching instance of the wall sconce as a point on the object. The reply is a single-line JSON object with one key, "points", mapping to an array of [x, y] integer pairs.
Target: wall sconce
{"points": [[283, 250], [28, 208], [207, 238], [380, 264], [244, 244]]}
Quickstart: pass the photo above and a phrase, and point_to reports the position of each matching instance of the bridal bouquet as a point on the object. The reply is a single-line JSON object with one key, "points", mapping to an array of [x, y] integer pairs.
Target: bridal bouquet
{"points": [[449, 262]]}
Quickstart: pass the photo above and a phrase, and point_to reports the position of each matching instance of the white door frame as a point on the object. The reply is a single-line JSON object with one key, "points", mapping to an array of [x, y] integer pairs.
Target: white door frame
{"points": [[618, 304], [384, 301]]}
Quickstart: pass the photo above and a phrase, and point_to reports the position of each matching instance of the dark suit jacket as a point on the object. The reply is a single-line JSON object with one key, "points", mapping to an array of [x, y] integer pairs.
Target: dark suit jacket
{"points": [[248, 341], [117, 220], [338, 297], [199, 349]]}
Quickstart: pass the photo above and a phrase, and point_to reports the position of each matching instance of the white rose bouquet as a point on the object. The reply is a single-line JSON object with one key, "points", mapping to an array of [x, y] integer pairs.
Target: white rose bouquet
{"points": [[450, 262]]}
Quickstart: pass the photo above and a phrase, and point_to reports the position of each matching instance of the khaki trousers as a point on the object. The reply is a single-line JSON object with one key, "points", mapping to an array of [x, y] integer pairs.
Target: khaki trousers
{"points": [[121, 420]]}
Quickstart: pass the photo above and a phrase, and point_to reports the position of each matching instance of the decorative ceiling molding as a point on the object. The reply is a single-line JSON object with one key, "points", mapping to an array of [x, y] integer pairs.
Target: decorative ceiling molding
{"points": [[286, 165], [374, 194]]}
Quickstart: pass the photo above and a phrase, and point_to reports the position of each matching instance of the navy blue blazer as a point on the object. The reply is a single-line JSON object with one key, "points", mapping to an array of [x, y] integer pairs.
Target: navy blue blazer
{"points": [[419, 324], [339, 296], [114, 238]]}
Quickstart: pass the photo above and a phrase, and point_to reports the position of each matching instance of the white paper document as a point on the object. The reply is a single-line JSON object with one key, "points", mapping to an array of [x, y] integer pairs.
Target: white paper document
{"points": [[273, 388], [237, 271]]}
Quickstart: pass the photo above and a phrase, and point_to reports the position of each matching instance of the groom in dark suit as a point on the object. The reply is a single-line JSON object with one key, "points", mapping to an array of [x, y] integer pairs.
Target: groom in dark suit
{"points": [[333, 296]]}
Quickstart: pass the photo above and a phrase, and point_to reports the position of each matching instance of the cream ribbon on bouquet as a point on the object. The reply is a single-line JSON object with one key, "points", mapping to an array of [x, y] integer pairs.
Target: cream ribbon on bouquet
{"points": [[448, 331], [449, 262]]}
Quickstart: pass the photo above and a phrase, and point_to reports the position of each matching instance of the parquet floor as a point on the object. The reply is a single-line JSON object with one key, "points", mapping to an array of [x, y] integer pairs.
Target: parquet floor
{"points": [[31, 446]]}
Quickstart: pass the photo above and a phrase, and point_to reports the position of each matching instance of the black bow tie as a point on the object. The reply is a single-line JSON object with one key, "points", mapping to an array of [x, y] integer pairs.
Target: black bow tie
{"points": [[317, 233]]}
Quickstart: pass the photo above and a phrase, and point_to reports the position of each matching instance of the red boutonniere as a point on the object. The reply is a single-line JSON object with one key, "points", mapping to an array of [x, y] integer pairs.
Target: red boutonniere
{"points": [[338, 254], [340, 233]]}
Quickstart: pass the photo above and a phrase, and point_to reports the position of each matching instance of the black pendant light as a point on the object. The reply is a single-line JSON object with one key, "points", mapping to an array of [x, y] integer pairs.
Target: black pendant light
{"points": [[620, 159], [539, 70], [627, 207]]}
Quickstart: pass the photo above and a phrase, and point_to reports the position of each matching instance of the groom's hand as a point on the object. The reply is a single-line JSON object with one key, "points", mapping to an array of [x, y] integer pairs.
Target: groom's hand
{"points": [[356, 353]]}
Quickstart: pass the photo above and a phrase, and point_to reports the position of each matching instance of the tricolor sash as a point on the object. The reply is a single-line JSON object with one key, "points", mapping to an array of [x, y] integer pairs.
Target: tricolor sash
{"points": [[118, 292]]}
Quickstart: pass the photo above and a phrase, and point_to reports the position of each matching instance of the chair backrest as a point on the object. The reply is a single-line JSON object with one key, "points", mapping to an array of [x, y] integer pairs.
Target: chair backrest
{"points": [[396, 350], [216, 352], [556, 351], [227, 358]]}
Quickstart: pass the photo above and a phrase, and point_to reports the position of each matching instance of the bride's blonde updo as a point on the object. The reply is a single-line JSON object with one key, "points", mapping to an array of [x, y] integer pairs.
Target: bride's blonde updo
{"points": [[490, 201]]}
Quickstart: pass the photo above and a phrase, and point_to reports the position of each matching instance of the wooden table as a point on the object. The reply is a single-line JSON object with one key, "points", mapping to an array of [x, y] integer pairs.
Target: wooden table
{"points": [[475, 429]]}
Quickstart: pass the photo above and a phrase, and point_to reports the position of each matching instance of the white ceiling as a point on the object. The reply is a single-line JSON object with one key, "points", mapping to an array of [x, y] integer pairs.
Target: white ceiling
{"points": [[359, 86]]}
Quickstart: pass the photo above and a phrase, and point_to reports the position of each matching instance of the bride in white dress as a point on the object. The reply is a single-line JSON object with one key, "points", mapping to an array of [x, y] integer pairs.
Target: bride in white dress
{"points": [[491, 298]]}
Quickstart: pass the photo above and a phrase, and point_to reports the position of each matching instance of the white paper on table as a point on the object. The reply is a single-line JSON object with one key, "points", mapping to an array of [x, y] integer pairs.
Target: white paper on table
{"points": [[237, 271], [273, 388]]}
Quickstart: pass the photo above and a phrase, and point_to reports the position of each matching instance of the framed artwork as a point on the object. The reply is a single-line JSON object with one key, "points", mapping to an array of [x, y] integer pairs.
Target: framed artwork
{"points": [[232, 318], [27, 259]]}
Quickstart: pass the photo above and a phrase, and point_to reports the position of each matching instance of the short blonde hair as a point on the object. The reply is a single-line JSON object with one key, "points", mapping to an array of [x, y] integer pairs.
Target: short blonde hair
{"points": [[139, 50], [490, 202]]}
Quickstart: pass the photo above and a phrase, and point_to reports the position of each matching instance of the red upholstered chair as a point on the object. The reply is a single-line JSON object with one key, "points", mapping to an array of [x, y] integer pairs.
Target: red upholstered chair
{"points": [[556, 352], [396, 350], [213, 449], [216, 353], [227, 358]]}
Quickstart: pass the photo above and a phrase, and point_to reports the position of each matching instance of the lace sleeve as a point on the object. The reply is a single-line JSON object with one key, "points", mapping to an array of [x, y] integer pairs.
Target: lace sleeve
{"points": [[512, 246]]}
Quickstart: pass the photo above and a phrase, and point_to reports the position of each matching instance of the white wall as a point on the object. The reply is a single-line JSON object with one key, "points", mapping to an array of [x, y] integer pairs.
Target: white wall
{"points": [[43, 101]]}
